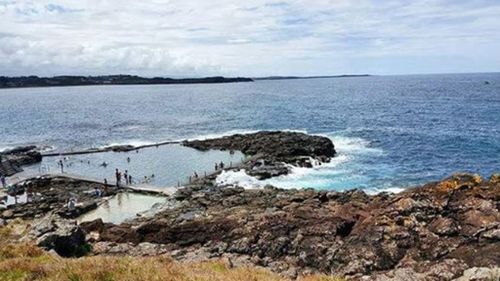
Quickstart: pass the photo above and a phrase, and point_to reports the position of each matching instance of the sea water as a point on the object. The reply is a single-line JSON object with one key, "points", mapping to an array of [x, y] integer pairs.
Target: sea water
{"points": [[163, 166], [390, 132]]}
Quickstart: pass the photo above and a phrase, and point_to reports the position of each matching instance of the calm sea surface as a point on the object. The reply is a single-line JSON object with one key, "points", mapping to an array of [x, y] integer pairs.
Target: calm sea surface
{"points": [[390, 131]]}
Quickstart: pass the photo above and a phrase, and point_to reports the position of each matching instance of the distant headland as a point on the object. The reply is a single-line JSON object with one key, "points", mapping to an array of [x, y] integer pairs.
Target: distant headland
{"points": [[310, 77], [35, 81]]}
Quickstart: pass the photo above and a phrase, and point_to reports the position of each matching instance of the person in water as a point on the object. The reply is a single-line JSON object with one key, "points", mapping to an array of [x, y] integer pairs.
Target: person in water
{"points": [[61, 165], [129, 179], [118, 176], [125, 175], [221, 165]]}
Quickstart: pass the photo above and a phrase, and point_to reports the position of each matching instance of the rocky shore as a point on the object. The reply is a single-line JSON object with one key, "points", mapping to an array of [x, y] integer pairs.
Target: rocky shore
{"points": [[439, 231], [435, 231], [11, 160], [446, 230], [272, 152]]}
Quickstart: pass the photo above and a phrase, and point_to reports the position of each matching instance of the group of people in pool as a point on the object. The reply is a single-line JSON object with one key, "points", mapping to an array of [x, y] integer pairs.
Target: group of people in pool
{"points": [[126, 177]]}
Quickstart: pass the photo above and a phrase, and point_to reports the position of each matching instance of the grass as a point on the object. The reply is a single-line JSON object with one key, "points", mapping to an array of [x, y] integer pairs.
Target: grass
{"points": [[23, 261]]}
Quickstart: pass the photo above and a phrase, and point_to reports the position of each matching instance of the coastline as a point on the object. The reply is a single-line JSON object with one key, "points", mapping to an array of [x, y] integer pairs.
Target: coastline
{"points": [[451, 224], [68, 81]]}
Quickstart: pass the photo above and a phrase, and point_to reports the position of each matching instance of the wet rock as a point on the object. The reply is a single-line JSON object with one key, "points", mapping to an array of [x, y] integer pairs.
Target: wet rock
{"points": [[279, 144], [12, 160], [271, 151]]}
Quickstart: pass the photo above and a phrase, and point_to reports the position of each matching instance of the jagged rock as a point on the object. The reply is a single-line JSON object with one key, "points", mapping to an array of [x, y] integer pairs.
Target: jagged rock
{"points": [[272, 151], [63, 236], [432, 232], [347, 233], [11, 160], [90, 226], [53, 194]]}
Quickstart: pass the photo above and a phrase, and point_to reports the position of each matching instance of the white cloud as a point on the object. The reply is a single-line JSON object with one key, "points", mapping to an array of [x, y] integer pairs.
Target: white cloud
{"points": [[253, 37]]}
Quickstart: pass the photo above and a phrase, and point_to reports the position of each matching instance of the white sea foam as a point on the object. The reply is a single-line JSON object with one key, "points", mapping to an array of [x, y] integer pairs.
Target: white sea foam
{"points": [[374, 191], [219, 135], [134, 143], [40, 148], [238, 178], [4, 148], [337, 174], [47, 148], [352, 145]]}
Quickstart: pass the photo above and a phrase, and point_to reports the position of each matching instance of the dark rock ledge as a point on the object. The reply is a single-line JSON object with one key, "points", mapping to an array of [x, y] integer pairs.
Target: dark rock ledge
{"points": [[271, 151], [12, 160]]}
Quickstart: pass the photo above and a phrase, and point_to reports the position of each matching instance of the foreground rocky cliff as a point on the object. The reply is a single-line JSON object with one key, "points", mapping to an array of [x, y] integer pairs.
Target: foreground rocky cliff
{"points": [[435, 231]]}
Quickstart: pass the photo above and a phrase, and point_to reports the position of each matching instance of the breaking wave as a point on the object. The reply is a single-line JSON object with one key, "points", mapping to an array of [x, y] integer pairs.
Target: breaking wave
{"points": [[344, 171]]}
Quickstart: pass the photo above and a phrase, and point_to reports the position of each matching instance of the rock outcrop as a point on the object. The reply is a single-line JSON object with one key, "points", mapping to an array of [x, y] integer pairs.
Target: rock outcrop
{"points": [[434, 231], [12, 160], [51, 194], [65, 237], [272, 151]]}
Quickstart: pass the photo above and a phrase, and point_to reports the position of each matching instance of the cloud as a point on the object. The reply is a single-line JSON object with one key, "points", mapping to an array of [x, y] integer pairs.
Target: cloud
{"points": [[253, 37]]}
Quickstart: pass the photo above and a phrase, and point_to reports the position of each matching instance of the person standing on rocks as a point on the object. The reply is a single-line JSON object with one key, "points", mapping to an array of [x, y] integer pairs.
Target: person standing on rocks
{"points": [[2, 179], [72, 206], [61, 165], [118, 176]]}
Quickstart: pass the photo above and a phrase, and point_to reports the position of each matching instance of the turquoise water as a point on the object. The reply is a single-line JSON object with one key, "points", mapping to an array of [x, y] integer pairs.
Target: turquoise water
{"points": [[391, 131]]}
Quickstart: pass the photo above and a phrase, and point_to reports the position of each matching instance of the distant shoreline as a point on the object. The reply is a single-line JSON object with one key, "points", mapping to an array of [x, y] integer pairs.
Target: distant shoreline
{"points": [[310, 77], [64, 81]]}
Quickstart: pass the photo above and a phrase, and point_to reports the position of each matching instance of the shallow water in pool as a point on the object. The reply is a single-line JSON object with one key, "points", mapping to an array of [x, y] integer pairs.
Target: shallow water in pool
{"points": [[121, 207], [170, 164]]}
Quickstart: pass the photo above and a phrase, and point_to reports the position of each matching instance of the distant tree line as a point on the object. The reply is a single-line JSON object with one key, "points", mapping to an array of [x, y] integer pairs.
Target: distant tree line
{"points": [[35, 81]]}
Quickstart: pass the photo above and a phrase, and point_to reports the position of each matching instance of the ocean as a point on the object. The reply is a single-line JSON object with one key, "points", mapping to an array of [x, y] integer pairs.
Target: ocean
{"points": [[391, 132]]}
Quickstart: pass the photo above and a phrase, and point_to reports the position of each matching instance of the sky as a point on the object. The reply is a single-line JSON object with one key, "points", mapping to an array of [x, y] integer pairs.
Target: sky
{"points": [[192, 38]]}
